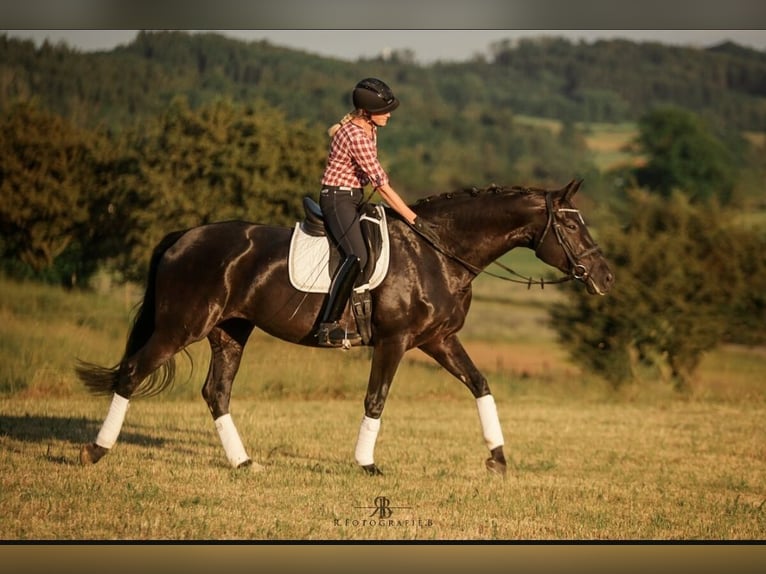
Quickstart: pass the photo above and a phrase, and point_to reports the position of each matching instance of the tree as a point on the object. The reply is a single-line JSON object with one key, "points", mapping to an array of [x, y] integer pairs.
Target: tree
{"points": [[683, 154], [192, 167], [681, 288], [47, 182]]}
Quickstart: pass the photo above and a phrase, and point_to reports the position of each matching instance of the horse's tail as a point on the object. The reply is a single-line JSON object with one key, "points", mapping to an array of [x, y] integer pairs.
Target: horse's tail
{"points": [[103, 380]]}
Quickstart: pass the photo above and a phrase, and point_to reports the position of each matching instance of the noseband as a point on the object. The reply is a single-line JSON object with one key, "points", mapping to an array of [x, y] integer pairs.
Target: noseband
{"points": [[577, 270]]}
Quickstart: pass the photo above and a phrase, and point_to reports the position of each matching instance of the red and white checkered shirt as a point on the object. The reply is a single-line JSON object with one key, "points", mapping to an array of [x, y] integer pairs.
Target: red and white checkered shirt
{"points": [[353, 159]]}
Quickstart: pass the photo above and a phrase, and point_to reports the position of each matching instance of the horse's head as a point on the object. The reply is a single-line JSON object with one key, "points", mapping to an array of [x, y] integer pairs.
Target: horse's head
{"points": [[566, 243]]}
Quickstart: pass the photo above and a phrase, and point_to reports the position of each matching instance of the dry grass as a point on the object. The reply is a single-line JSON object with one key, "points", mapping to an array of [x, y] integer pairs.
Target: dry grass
{"points": [[580, 470], [586, 463], [610, 144]]}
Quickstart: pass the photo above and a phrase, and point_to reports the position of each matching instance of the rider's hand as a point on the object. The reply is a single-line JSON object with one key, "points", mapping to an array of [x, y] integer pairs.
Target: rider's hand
{"points": [[427, 230]]}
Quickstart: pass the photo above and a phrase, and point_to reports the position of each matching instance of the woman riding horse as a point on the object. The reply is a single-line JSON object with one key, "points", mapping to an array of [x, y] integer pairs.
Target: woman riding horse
{"points": [[353, 163]]}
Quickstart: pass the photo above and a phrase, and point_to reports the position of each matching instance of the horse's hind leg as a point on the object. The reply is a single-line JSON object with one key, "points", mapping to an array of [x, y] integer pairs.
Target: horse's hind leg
{"points": [[124, 380], [227, 341], [451, 355], [110, 429]]}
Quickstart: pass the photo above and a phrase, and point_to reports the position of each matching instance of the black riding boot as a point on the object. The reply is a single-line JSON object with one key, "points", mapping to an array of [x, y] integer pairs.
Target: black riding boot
{"points": [[331, 333]]}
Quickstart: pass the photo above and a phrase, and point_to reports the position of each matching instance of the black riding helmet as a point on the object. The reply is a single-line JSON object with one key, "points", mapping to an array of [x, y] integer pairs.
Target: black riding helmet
{"points": [[374, 97]]}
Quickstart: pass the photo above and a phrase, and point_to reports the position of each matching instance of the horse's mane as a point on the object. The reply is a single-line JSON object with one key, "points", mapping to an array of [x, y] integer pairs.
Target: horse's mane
{"points": [[467, 192]]}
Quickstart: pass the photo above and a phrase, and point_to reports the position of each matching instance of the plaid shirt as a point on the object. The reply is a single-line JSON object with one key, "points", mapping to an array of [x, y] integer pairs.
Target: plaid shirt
{"points": [[353, 159]]}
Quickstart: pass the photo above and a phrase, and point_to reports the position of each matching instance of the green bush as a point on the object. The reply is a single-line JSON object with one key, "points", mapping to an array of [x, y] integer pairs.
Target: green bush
{"points": [[684, 283]]}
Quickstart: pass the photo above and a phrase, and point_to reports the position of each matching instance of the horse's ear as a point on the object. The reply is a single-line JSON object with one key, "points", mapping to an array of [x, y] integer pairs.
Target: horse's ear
{"points": [[571, 188]]}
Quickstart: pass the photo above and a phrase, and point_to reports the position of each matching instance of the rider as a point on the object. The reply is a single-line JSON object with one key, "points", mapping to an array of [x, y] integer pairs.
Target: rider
{"points": [[353, 163]]}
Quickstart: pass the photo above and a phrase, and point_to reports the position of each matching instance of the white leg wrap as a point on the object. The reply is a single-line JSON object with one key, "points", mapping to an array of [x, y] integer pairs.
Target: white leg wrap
{"points": [[232, 444], [110, 430], [365, 444], [490, 423]]}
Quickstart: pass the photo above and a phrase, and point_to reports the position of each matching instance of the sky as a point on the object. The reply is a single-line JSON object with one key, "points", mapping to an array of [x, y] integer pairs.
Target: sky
{"points": [[428, 46]]}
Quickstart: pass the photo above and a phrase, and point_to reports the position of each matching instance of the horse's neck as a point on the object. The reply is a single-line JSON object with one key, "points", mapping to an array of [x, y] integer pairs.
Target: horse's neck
{"points": [[481, 229]]}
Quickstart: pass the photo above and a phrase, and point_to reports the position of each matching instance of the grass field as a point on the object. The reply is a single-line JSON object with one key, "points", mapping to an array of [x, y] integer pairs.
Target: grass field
{"points": [[610, 144], [607, 142], [586, 462]]}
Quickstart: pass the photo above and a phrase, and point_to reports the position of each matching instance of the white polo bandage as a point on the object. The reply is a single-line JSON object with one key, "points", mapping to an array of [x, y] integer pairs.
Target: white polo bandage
{"points": [[365, 444], [490, 423], [110, 430], [232, 444]]}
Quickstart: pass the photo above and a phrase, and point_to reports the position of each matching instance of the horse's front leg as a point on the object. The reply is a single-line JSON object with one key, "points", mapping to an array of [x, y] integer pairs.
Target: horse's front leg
{"points": [[386, 357], [451, 355]]}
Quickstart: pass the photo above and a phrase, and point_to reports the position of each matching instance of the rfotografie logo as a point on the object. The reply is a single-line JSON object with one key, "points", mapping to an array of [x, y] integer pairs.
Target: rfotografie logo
{"points": [[382, 516]]}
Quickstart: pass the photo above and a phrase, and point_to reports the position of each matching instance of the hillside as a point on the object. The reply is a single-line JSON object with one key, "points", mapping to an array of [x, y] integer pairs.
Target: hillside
{"points": [[606, 81], [109, 151]]}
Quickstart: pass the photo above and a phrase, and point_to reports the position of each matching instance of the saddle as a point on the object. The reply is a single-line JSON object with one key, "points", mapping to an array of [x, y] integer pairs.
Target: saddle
{"points": [[314, 257]]}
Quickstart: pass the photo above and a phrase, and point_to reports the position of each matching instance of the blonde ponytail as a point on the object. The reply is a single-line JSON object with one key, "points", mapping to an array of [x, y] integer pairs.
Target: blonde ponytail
{"points": [[344, 120]]}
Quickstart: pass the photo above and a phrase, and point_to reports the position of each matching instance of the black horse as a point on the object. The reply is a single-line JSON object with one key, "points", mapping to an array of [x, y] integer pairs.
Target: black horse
{"points": [[222, 280]]}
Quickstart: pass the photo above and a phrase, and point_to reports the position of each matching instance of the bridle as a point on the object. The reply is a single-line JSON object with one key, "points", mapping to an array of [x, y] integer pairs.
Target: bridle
{"points": [[577, 270]]}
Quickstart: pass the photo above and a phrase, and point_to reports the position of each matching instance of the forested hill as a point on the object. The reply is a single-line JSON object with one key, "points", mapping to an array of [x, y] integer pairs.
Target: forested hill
{"points": [[605, 81]]}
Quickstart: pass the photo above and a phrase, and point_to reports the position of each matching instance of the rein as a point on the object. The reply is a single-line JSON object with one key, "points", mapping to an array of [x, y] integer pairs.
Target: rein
{"points": [[578, 271]]}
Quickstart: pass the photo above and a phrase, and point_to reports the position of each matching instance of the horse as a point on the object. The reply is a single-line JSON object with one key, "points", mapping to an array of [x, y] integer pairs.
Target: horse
{"points": [[222, 280]]}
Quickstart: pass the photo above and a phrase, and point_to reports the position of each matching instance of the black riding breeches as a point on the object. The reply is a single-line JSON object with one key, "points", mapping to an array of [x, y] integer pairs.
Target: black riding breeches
{"points": [[341, 216]]}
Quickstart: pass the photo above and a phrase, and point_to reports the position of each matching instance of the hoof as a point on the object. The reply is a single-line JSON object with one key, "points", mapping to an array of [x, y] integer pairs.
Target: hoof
{"points": [[253, 466], [372, 470], [91, 453], [496, 467]]}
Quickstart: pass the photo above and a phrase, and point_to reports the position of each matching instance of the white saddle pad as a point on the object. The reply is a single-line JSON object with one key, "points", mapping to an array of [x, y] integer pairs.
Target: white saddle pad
{"points": [[308, 261]]}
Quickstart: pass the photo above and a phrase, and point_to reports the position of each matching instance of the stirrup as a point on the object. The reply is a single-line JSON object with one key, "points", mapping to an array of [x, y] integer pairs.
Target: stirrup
{"points": [[334, 335]]}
